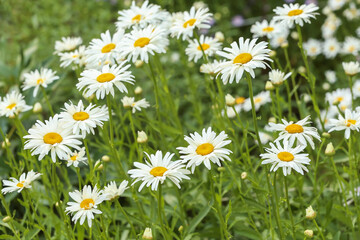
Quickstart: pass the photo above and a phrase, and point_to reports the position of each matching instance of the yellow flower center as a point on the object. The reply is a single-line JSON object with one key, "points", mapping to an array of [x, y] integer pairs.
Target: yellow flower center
{"points": [[39, 81], [268, 29], [142, 42], [52, 138], [205, 149], [343, 107], [332, 48], [294, 128], [20, 184], [158, 171], [350, 122], [339, 99], [285, 156], [257, 100], [75, 56], [295, 12], [204, 46], [189, 23], [351, 48], [73, 158], [11, 106], [243, 58], [80, 116], [107, 48], [240, 100], [87, 203], [137, 18], [105, 77]]}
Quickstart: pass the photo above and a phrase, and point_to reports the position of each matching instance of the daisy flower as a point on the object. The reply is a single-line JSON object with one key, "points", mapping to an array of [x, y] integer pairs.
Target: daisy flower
{"points": [[356, 88], [138, 16], [351, 121], [330, 26], [339, 96], [207, 44], [259, 100], [336, 4], [330, 76], [264, 138], [210, 68], [277, 77], [139, 43], [76, 157], [185, 23], [266, 29], [13, 103], [67, 44], [105, 49], [286, 157], [129, 102], [351, 68], [291, 132], [295, 13], [279, 39], [85, 205], [39, 79], [352, 12], [18, 185], [112, 191], [245, 56], [102, 82], [351, 46], [76, 57], [82, 119], [331, 48], [51, 137], [312, 47], [157, 170], [205, 148]]}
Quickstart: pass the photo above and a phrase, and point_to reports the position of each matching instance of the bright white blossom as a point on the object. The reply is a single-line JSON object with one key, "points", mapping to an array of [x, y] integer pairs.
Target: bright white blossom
{"points": [[25, 181], [295, 13], [351, 121], [13, 103], [37, 79], [112, 191]]}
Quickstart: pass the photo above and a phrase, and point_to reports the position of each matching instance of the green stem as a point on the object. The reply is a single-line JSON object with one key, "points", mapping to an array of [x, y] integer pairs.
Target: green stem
{"points": [[289, 207], [277, 209], [278, 102], [127, 217], [318, 228], [160, 210], [47, 100]]}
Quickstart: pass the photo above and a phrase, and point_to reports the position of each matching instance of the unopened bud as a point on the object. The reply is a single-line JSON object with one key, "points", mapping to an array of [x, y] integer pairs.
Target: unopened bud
{"points": [[326, 86], [219, 36], [105, 158], [310, 213], [138, 90], [5, 143], [272, 120], [142, 137], [221, 169], [330, 150], [98, 166], [284, 45], [307, 98], [138, 63], [272, 53], [269, 86], [6, 219], [302, 69], [181, 228], [295, 35], [230, 100], [57, 204], [326, 135], [37, 108], [244, 175], [147, 234], [309, 233], [217, 16]]}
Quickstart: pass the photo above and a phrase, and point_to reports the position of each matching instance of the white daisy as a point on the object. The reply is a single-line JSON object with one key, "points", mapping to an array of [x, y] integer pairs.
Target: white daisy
{"points": [[18, 185], [76, 57], [299, 132], [264, 138], [330, 76], [67, 44], [265, 28], [295, 13], [129, 102], [286, 157], [205, 148], [139, 43], [277, 77], [351, 121], [351, 68], [245, 56], [85, 205], [207, 44], [259, 100], [185, 23], [352, 12], [102, 82], [331, 47], [312, 47], [82, 119], [339, 96], [51, 137], [326, 116], [157, 170], [105, 49], [210, 68], [13, 103], [351, 45], [356, 88], [336, 4], [330, 26], [279, 39], [112, 191], [39, 78], [76, 157]]}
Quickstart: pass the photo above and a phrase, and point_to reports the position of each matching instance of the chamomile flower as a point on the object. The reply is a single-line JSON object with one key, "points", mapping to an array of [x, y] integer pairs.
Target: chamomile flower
{"points": [[279, 39], [356, 88], [85, 205], [336, 4], [351, 121], [76, 157], [351, 46], [299, 132], [352, 12], [102, 82], [339, 96], [265, 28], [67, 44], [13, 103], [112, 191], [51, 137], [207, 44], [184, 24], [351, 68], [264, 138], [25, 181], [295, 13], [331, 48], [286, 157], [245, 56], [312, 47], [330, 76], [210, 68], [140, 43], [330, 26], [105, 49], [138, 16], [39, 79], [277, 77], [83, 120], [205, 148], [259, 100], [129, 102], [157, 170], [76, 57]]}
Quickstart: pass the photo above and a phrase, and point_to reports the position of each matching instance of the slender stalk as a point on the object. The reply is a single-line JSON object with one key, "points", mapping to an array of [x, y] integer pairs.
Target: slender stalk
{"points": [[47, 100], [160, 210], [319, 229], [278, 102], [289, 207], [126, 216], [8, 213], [351, 90], [89, 160], [277, 209]]}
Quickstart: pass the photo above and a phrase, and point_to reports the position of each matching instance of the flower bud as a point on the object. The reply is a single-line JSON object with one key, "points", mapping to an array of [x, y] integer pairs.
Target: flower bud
{"points": [[272, 120], [217, 16], [181, 228], [330, 151], [302, 69], [308, 233], [326, 86], [98, 166], [219, 36], [230, 100], [326, 135], [221, 169], [37, 108], [147, 234], [307, 98], [295, 35], [58, 203], [138, 90], [6, 143], [244, 175], [272, 53], [105, 158], [138, 63], [269, 86], [310, 213], [142, 137], [6, 219], [284, 45]]}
